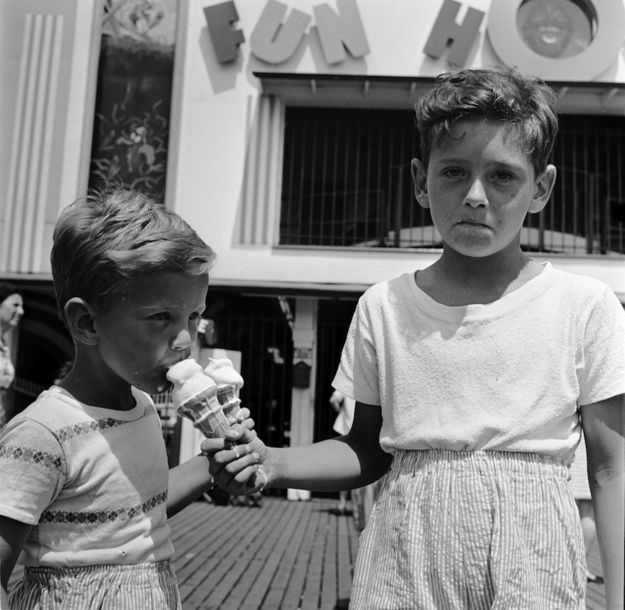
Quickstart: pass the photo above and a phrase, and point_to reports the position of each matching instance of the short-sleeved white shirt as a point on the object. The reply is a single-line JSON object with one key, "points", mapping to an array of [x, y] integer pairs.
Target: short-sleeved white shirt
{"points": [[504, 376], [92, 481]]}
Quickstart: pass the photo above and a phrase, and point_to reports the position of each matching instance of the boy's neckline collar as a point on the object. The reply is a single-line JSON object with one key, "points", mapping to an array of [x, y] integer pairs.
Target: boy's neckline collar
{"points": [[526, 292], [100, 412], [452, 288]]}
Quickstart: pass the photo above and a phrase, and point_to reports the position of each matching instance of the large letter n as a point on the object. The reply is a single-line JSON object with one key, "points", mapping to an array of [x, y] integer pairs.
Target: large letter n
{"points": [[337, 32], [274, 41]]}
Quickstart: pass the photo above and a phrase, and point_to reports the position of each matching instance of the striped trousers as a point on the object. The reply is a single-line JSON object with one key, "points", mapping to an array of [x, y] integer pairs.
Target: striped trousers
{"points": [[146, 586], [471, 530]]}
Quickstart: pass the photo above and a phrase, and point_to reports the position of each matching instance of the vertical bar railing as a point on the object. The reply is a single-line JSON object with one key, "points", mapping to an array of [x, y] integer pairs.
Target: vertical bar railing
{"points": [[346, 183]]}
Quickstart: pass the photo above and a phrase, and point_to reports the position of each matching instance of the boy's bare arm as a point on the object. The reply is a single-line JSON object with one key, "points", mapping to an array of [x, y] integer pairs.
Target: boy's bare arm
{"points": [[13, 535], [337, 464], [187, 482], [353, 460], [604, 430]]}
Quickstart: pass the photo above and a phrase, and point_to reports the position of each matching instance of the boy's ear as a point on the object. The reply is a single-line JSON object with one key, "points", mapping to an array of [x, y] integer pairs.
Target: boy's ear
{"points": [[420, 182], [80, 317], [542, 189]]}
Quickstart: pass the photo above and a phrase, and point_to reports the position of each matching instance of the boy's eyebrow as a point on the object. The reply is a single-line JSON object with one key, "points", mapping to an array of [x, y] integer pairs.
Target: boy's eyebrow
{"points": [[147, 309], [157, 306], [461, 161], [444, 159]]}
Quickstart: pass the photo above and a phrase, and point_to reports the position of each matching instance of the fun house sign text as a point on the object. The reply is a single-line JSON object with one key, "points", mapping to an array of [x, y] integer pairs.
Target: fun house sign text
{"points": [[553, 39]]}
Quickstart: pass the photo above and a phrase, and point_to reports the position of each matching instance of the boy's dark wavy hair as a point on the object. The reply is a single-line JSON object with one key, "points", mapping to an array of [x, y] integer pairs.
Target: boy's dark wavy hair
{"points": [[498, 94], [102, 242]]}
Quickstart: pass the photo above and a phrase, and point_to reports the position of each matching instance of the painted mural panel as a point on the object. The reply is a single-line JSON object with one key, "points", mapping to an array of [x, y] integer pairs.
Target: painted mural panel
{"points": [[131, 127]]}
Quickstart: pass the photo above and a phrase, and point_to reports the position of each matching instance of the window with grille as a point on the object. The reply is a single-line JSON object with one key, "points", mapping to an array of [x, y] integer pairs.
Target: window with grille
{"points": [[346, 183]]}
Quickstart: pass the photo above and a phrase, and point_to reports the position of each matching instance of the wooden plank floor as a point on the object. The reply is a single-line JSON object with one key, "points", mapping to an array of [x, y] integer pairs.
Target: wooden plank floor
{"points": [[282, 556]]}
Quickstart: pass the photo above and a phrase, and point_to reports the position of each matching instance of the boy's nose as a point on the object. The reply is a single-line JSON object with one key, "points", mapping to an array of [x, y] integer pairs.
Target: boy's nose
{"points": [[182, 341], [476, 196]]}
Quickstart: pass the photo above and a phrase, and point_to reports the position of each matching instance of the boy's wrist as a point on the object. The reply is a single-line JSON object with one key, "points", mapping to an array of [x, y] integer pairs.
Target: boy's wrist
{"points": [[271, 468]]}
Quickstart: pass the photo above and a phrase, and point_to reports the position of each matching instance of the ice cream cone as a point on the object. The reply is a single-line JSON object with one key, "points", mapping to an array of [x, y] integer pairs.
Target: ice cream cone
{"points": [[206, 413], [195, 397], [230, 403], [229, 383]]}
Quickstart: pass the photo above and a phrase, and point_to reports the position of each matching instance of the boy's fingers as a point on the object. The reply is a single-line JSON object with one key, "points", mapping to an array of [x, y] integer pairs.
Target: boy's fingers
{"points": [[248, 423], [240, 450], [241, 434], [236, 484], [250, 479], [210, 446], [235, 432], [234, 458], [243, 414]]}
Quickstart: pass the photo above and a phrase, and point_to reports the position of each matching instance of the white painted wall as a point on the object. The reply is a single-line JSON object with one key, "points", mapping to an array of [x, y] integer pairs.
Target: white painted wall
{"points": [[55, 170], [212, 115]]}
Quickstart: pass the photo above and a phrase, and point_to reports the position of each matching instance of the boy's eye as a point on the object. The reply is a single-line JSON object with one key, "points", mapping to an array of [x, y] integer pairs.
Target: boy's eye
{"points": [[161, 315], [503, 176], [453, 172], [195, 317]]}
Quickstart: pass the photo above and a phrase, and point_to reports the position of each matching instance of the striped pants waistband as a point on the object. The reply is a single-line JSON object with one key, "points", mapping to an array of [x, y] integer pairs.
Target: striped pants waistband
{"points": [[146, 586]]}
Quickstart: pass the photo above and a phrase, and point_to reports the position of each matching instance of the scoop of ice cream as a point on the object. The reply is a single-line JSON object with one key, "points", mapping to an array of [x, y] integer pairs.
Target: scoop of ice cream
{"points": [[189, 380], [223, 373]]}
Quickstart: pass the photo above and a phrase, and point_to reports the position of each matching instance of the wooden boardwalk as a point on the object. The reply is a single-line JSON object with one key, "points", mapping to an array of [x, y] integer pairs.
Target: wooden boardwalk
{"points": [[282, 556]]}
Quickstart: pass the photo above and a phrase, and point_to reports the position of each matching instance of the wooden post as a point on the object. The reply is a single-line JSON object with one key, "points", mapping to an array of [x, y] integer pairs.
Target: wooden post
{"points": [[303, 398]]}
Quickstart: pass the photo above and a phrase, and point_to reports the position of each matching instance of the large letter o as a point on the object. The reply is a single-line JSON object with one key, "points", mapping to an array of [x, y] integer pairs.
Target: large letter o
{"points": [[585, 66]]}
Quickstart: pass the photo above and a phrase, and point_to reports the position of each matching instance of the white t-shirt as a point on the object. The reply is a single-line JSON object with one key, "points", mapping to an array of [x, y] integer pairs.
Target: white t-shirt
{"points": [[92, 481], [505, 376]]}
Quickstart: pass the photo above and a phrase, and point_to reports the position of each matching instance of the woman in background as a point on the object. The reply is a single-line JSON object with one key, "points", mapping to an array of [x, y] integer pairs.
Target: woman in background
{"points": [[11, 311]]}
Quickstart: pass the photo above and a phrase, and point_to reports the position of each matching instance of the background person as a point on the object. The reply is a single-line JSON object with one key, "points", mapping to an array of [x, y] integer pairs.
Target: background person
{"points": [[11, 312]]}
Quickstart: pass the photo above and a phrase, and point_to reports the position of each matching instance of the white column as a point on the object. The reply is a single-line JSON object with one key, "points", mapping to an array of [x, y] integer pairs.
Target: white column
{"points": [[303, 398]]}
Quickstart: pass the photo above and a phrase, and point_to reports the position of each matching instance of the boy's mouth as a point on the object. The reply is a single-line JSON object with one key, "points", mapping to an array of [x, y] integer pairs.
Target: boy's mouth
{"points": [[473, 223], [164, 386]]}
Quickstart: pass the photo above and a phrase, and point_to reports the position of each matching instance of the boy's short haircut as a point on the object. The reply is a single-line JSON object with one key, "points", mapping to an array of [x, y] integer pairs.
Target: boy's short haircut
{"points": [[105, 240], [498, 94]]}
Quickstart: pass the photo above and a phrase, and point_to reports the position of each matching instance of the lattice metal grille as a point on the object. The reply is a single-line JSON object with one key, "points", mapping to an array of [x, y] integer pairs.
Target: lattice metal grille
{"points": [[257, 327], [333, 318], [346, 182]]}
